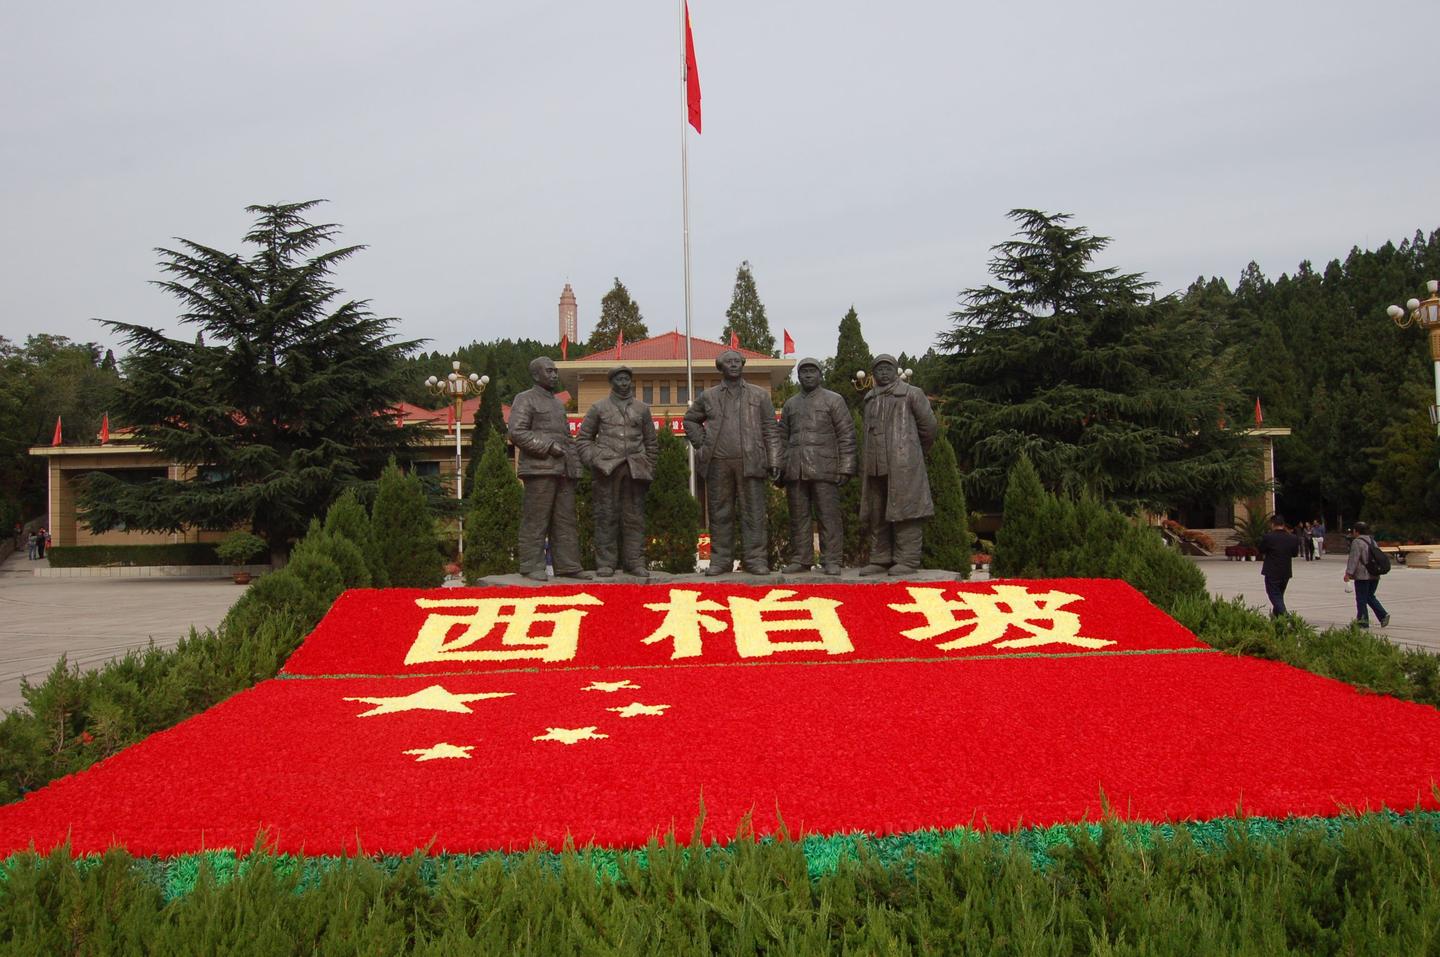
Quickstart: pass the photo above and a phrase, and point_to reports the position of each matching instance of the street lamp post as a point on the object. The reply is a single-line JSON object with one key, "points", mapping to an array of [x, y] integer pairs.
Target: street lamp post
{"points": [[1426, 315], [863, 379], [457, 387]]}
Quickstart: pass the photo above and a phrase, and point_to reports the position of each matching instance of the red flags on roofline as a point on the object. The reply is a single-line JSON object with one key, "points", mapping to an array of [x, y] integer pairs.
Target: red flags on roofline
{"points": [[1259, 416], [692, 75], [105, 429], [56, 440], [734, 340], [789, 349], [564, 347]]}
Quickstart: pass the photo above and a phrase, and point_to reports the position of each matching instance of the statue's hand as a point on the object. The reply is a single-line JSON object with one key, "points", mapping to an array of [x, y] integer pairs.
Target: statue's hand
{"points": [[775, 475], [557, 450]]}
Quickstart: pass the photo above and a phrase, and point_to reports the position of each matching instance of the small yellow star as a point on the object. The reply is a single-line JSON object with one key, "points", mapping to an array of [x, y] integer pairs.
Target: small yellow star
{"points": [[442, 750], [634, 709], [433, 698], [569, 735], [611, 686]]}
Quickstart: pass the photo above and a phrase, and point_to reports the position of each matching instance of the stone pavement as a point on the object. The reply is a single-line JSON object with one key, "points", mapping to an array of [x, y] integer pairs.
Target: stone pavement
{"points": [[92, 620]]}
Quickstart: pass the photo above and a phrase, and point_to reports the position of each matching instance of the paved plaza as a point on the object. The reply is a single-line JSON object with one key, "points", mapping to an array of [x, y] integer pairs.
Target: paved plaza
{"points": [[92, 620]]}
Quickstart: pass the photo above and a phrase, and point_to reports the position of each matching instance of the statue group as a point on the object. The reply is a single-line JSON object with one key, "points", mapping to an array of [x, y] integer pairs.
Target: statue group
{"points": [[739, 446]]}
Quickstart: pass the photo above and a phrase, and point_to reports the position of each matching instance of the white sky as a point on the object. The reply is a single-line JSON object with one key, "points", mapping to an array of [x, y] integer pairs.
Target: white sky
{"points": [[854, 152]]}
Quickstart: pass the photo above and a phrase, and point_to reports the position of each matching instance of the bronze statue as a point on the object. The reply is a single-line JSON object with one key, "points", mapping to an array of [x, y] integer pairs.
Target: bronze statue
{"points": [[895, 488], [818, 437], [732, 428], [549, 468], [617, 442]]}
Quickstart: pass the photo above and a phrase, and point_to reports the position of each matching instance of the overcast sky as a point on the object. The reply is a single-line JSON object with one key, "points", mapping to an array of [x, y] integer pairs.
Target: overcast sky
{"points": [[854, 152]]}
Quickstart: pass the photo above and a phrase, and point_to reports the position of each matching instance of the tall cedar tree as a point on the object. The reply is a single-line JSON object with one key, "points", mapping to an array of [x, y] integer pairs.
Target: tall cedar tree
{"points": [[746, 315], [404, 532], [672, 515], [947, 534], [851, 355], [281, 402], [492, 525], [617, 311], [1107, 389]]}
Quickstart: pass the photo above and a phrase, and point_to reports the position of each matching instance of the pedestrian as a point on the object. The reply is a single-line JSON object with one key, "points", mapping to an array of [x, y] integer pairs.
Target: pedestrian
{"points": [[1277, 548], [42, 539], [1317, 533], [31, 544], [1307, 544], [1357, 570]]}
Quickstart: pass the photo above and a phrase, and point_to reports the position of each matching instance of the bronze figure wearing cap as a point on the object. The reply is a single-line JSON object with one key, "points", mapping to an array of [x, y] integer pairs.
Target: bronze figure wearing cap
{"points": [[818, 437], [895, 488], [617, 441], [549, 467]]}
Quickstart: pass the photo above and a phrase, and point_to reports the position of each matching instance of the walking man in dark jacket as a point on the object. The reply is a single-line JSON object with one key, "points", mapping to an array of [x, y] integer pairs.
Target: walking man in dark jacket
{"points": [[549, 467], [818, 437], [737, 446], [895, 491], [617, 441], [1277, 548]]}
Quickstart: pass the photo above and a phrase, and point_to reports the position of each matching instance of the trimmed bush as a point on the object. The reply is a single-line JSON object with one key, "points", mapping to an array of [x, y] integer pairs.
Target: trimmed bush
{"points": [[348, 519], [90, 556], [672, 515], [1028, 539], [404, 532], [492, 525], [947, 534]]}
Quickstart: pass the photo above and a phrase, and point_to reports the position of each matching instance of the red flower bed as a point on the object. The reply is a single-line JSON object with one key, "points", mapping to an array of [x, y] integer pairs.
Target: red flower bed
{"points": [[611, 746]]}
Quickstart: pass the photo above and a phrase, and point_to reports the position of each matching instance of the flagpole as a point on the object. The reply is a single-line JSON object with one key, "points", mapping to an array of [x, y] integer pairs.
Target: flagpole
{"points": [[685, 220]]}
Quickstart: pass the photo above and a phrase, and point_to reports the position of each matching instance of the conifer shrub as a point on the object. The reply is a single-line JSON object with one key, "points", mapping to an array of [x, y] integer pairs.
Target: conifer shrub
{"points": [[672, 515], [585, 517], [857, 546], [345, 554], [348, 519], [1027, 541], [777, 542], [947, 534], [492, 524], [404, 532]]}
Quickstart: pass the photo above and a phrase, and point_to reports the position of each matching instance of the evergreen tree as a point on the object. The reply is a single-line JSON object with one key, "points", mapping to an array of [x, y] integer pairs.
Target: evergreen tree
{"points": [[947, 534], [777, 518], [492, 526], [585, 518], [857, 545], [746, 315], [852, 354], [405, 532], [672, 515], [348, 519], [282, 404], [1400, 500], [1028, 533], [1104, 387], [617, 311]]}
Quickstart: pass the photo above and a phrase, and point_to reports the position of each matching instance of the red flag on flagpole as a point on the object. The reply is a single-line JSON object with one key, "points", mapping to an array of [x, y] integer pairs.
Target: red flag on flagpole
{"points": [[564, 347], [734, 340], [56, 440], [789, 344], [1259, 416], [105, 429], [692, 75], [619, 343]]}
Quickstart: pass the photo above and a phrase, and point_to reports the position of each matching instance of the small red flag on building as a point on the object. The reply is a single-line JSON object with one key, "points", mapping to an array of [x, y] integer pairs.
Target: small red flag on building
{"points": [[564, 347], [1259, 416], [619, 343], [734, 340], [692, 75], [56, 440], [789, 349], [105, 428]]}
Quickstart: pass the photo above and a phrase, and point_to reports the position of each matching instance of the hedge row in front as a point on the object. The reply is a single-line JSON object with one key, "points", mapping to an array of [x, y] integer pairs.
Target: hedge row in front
{"points": [[89, 556]]}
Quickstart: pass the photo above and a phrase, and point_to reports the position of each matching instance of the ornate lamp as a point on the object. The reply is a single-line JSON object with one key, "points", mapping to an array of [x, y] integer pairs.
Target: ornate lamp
{"points": [[1426, 315], [458, 387], [864, 380]]}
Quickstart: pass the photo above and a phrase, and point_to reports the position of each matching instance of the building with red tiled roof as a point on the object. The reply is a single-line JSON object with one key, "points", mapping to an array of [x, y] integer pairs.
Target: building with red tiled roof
{"points": [[659, 367]]}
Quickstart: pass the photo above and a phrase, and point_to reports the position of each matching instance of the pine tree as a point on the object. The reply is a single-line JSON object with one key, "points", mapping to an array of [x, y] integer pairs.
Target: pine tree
{"points": [[672, 515], [947, 534], [852, 355], [746, 315], [617, 311], [492, 526], [405, 532], [1106, 388], [280, 403]]}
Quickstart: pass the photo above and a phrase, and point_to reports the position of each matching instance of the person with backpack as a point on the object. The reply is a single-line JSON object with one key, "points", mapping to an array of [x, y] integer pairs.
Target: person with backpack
{"points": [[1364, 567]]}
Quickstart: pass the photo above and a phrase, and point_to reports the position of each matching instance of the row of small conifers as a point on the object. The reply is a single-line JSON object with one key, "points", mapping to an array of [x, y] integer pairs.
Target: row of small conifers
{"points": [[1369, 884]]}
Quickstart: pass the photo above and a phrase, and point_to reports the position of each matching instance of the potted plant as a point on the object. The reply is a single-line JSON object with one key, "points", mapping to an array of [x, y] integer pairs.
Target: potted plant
{"points": [[1250, 531], [241, 548]]}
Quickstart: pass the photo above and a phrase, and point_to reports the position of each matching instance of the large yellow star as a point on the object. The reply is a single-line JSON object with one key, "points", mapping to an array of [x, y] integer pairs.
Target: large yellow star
{"points": [[611, 686], [442, 750], [433, 698], [634, 709], [570, 735]]}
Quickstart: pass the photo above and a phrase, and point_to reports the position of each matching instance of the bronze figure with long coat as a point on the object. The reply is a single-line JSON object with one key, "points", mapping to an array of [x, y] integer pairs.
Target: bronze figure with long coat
{"points": [[895, 497]]}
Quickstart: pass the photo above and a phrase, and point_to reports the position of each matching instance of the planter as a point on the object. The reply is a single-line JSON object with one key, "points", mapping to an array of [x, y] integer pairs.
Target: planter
{"points": [[242, 578]]}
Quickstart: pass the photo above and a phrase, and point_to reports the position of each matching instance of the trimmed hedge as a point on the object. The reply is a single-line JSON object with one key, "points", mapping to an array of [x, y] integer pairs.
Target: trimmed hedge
{"points": [[87, 556]]}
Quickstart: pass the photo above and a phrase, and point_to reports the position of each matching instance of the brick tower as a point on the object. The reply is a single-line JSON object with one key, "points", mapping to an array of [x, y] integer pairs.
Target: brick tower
{"points": [[569, 317]]}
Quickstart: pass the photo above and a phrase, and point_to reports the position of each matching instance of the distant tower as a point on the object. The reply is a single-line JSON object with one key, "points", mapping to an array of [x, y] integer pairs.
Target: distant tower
{"points": [[569, 319]]}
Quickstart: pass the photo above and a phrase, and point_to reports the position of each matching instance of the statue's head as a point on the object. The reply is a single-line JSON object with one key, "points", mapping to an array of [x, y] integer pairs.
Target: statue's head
{"points": [[808, 372], [730, 363], [884, 369], [544, 373], [622, 381]]}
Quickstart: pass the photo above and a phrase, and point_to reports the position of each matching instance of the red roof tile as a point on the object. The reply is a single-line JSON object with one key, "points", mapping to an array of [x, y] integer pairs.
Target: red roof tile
{"points": [[671, 345]]}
